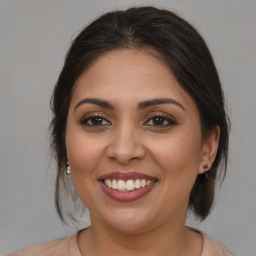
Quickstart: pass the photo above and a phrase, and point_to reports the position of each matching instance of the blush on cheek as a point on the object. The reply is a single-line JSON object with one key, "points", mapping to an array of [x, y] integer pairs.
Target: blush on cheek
{"points": [[83, 147]]}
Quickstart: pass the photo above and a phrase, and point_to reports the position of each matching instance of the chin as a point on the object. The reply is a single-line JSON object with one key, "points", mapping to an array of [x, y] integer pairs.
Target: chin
{"points": [[127, 221]]}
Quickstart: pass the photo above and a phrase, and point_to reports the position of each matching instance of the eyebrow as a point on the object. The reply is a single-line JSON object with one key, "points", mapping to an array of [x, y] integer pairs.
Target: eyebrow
{"points": [[141, 105], [153, 102], [101, 103]]}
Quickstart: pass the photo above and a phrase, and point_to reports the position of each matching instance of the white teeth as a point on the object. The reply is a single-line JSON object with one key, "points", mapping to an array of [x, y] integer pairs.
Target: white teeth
{"points": [[121, 185], [108, 183], [129, 185], [137, 183], [114, 184]]}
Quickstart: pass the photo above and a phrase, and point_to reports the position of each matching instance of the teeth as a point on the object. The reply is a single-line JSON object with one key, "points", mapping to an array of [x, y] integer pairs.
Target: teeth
{"points": [[114, 184], [137, 183], [108, 183], [121, 185], [129, 185]]}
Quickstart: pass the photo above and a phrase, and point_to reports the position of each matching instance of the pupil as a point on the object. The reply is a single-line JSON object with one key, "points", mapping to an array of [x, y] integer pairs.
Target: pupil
{"points": [[96, 120], [158, 121]]}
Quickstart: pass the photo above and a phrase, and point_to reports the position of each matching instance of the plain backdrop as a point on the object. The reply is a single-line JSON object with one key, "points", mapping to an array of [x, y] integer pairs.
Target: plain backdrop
{"points": [[34, 37]]}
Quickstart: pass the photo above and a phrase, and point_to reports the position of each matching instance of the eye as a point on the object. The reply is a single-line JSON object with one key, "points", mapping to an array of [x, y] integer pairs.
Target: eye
{"points": [[95, 121], [161, 121]]}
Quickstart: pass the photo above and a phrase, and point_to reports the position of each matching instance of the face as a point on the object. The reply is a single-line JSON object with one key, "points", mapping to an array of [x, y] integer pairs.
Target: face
{"points": [[133, 142]]}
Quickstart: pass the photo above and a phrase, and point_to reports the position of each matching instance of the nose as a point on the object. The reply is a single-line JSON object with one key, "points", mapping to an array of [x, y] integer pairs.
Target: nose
{"points": [[126, 146]]}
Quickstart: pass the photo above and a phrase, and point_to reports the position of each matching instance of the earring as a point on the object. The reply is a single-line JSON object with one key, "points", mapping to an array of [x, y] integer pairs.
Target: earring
{"points": [[206, 169], [205, 166], [68, 169]]}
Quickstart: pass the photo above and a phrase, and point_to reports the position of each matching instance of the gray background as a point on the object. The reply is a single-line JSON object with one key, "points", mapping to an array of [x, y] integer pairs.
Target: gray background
{"points": [[34, 38]]}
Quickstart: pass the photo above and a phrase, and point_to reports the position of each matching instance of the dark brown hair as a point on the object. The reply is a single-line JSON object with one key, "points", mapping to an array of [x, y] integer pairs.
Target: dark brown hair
{"points": [[187, 56]]}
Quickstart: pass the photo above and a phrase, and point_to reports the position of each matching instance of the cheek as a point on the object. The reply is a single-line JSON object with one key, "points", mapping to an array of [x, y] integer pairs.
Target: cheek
{"points": [[84, 157], [178, 155], [83, 152]]}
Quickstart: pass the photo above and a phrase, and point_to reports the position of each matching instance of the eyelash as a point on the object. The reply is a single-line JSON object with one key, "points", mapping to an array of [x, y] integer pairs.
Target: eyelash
{"points": [[86, 120], [167, 121]]}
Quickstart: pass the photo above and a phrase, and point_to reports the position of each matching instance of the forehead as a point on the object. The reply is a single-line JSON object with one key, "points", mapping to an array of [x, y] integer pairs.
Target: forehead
{"points": [[129, 74]]}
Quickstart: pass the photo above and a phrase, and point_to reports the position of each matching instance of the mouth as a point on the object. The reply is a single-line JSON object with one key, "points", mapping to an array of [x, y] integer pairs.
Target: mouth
{"points": [[129, 185], [126, 186]]}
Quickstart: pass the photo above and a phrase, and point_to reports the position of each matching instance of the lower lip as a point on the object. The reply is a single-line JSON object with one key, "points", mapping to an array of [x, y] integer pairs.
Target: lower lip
{"points": [[126, 195]]}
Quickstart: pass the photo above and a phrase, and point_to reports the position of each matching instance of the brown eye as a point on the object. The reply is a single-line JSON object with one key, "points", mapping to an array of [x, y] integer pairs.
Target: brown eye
{"points": [[95, 121], [158, 120], [161, 121]]}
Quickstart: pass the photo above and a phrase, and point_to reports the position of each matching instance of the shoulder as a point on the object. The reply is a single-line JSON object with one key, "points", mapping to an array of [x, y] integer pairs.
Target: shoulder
{"points": [[212, 247], [59, 247]]}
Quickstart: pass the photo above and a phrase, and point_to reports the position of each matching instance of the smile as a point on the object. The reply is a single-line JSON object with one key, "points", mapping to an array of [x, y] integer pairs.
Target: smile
{"points": [[126, 186], [129, 185]]}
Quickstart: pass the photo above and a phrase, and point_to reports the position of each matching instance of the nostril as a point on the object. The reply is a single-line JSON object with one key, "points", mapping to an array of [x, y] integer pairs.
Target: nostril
{"points": [[133, 158]]}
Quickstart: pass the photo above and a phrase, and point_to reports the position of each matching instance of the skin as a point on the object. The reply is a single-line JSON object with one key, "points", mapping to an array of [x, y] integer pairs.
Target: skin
{"points": [[129, 139]]}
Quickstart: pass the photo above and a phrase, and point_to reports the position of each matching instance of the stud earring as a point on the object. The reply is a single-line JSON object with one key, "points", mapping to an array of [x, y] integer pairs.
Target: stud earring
{"points": [[205, 166], [206, 169], [68, 169]]}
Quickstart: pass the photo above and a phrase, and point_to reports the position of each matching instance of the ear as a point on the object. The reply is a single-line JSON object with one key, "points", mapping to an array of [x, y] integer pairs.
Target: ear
{"points": [[209, 149]]}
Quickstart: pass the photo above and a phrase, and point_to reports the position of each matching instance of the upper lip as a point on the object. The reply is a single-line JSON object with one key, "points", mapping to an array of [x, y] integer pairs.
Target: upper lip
{"points": [[126, 176]]}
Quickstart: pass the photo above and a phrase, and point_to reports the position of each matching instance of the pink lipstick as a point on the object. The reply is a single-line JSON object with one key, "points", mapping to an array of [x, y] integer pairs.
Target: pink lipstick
{"points": [[126, 186], [126, 176]]}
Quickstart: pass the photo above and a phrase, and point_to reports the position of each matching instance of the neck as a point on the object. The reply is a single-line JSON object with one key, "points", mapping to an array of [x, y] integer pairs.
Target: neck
{"points": [[172, 239]]}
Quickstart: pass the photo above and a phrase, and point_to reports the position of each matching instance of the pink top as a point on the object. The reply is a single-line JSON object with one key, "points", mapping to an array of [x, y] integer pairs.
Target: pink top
{"points": [[68, 246]]}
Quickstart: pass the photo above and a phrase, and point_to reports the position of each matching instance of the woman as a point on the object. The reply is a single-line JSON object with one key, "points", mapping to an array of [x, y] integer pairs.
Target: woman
{"points": [[140, 128]]}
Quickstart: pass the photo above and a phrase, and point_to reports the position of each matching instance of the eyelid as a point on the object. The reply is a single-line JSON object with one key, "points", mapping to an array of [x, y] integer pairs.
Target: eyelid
{"points": [[168, 117], [164, 115], [91, 115]]}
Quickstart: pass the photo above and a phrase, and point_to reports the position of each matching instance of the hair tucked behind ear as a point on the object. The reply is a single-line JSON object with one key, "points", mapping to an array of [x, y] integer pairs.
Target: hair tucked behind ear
{"points": [[187, 56]]}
